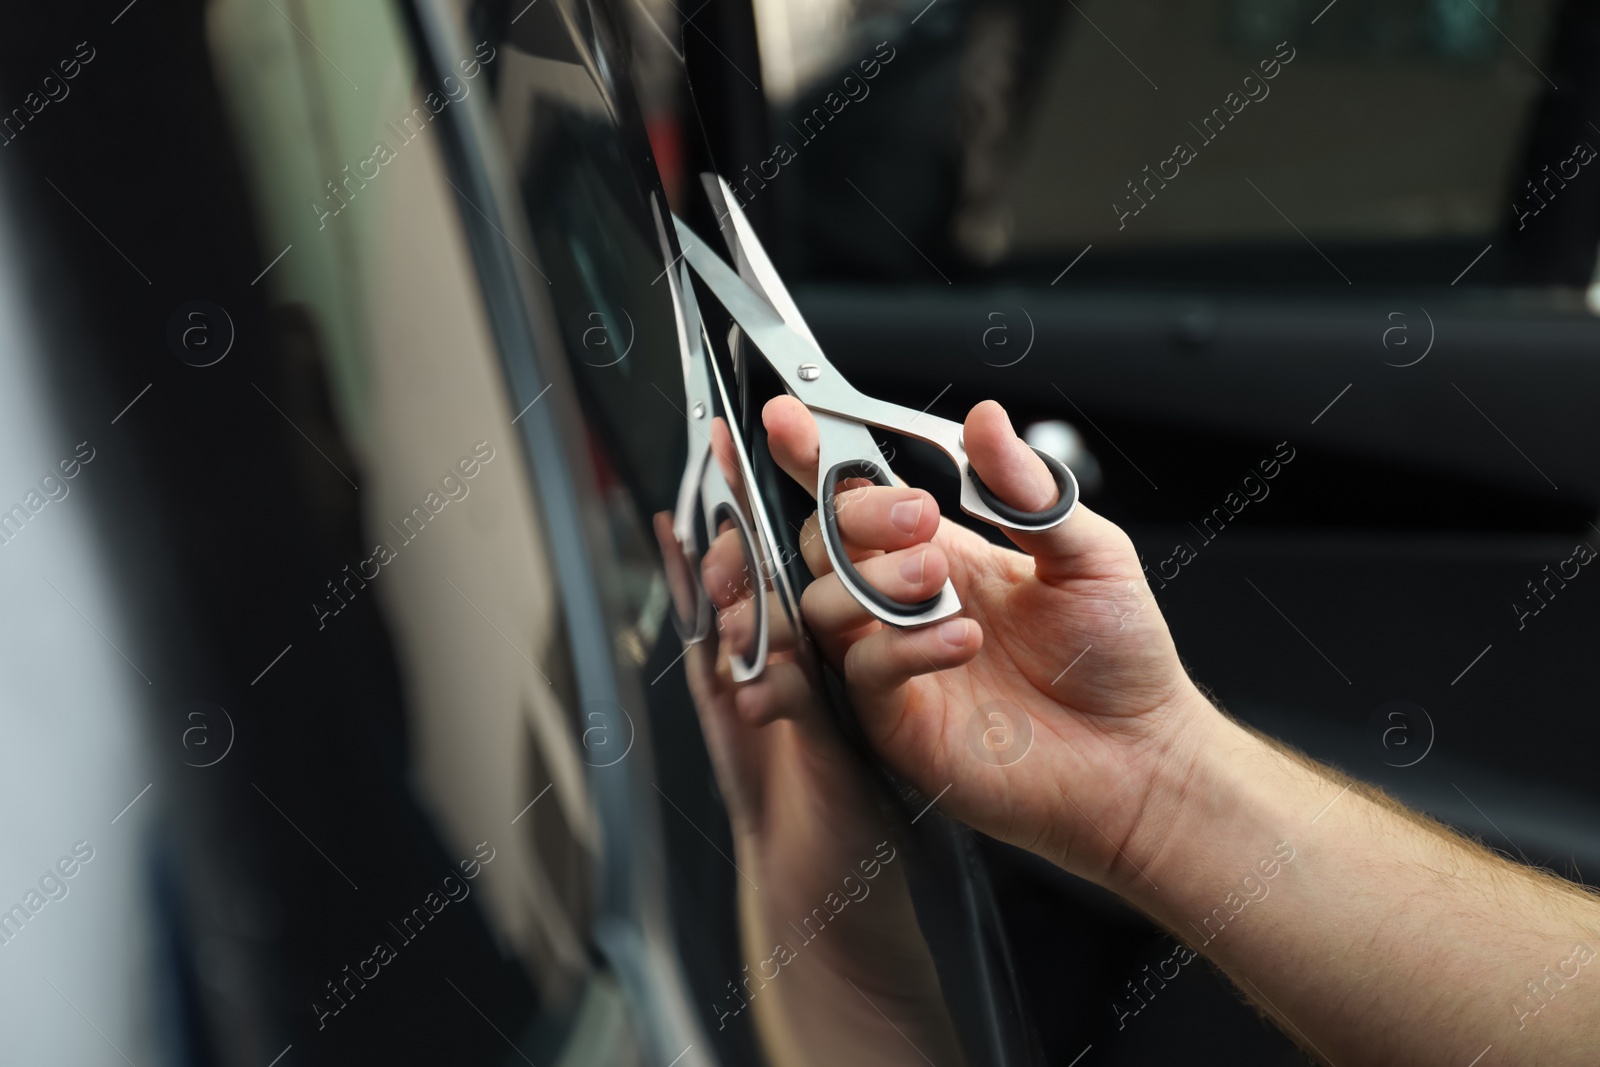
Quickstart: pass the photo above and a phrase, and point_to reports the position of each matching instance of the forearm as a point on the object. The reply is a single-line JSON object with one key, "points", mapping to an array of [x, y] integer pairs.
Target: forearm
{"points": [[1370, 933], [849, 980]]}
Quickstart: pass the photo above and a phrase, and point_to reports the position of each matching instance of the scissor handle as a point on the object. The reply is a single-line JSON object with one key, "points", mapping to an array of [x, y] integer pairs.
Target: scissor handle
{"points": [[828, 509], [697, 627], [894, 612], [768, 317], [824, 390], [694, 623], [693, 630], [1066, 490], [745, 668]]}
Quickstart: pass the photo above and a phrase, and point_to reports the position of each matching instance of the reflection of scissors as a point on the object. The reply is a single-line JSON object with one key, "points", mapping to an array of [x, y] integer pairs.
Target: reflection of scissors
{"points": [[756, 299], [703, 480]]}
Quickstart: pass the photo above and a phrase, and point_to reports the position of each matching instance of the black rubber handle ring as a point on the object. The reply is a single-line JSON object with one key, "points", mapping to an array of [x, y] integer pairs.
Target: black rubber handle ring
{"points": [[753, 565], [861, 468], [1066, 489]]}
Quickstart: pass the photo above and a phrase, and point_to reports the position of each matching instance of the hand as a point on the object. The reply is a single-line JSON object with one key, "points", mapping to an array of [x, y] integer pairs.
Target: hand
{"points": [[808, 829], [1066, 633]]}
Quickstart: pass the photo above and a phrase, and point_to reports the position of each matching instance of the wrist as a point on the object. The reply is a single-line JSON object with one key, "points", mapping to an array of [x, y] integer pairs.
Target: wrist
{"points": [[1222, 799]]}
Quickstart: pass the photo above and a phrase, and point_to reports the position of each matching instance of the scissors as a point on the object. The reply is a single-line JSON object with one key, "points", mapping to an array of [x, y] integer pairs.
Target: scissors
{"points": [[761, 306], [704, 488]]}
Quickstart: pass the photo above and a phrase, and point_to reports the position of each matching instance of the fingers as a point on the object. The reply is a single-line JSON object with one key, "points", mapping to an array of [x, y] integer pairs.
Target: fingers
{"points": [[738, 632], [680, 579], [888, 658], [896, 521], [1004, 461], [909, 575], [728, 462], [886, 517], [732, 583], [1019, 477], [727, 574], [792, 439], [782, 692], [872, 519]]}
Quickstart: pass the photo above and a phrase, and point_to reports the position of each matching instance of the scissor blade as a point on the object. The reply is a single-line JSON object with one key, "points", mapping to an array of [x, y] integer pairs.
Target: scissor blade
{"points": [[782, 345], [685, 311], [717, 193], [749, 257]]}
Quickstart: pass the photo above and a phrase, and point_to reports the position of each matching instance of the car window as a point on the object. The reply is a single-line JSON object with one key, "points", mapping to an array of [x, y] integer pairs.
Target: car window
{"points": [[1224, 144], [337, 804], [783, 846], [372, 704]]}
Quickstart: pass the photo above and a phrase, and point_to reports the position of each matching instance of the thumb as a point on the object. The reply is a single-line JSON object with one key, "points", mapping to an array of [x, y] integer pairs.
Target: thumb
{"points": [[1005, 462], [1011, 469]]}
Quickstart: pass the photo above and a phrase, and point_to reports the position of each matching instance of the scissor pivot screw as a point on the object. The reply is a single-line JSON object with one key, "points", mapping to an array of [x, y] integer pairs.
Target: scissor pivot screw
{"points": [[809, 372], [699, 411]]}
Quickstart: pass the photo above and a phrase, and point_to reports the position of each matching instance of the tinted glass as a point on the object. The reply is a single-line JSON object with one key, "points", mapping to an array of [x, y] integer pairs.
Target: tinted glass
{"points": [[303, 651], [345, 703], [789, 862]]}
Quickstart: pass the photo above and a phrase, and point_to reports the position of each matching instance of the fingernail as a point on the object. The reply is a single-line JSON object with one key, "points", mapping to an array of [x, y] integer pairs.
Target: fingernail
{"points": [[915, 567], [906, 514], [954, 632]]}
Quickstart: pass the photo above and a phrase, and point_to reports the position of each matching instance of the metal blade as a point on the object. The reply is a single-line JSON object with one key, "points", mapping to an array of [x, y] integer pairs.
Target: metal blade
{"points": [[750, 258]]}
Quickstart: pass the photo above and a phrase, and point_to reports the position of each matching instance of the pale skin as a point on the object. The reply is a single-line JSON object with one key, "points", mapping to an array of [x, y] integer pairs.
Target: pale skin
{"points": [[853, 981], [1386, 939]]}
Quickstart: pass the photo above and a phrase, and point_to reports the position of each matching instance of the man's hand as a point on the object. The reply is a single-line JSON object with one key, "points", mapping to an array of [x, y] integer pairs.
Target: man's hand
{"points": [[1065, 633], [1387, 939]]}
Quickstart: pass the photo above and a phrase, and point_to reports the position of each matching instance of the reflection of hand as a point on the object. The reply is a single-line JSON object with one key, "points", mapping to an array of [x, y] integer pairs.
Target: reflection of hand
{"points": [[808, 830], [1108, 735]]}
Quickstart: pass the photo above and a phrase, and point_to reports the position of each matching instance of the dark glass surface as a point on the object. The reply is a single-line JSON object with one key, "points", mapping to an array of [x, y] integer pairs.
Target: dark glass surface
{"points": [[345, 416], [791, 865]]}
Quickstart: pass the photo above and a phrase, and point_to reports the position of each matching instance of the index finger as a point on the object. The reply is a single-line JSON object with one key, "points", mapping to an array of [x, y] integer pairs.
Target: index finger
{"points": [[792, 439]]}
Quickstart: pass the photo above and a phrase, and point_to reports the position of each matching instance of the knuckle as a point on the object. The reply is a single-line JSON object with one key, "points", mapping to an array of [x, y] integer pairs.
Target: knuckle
{"points": [[853, 663], [813, 601]]}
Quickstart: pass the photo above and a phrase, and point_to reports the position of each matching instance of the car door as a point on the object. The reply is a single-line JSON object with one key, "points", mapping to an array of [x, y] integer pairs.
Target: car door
{"points": [[334, 803], [347, 715]]}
